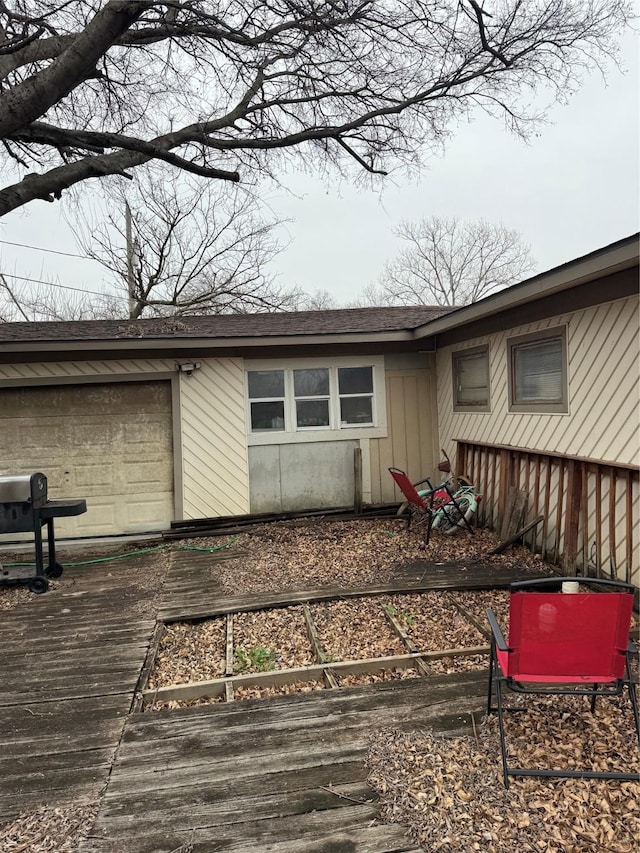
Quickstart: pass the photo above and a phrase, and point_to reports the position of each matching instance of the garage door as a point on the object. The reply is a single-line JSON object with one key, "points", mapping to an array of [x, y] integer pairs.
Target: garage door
{"points": [[108, 443]]}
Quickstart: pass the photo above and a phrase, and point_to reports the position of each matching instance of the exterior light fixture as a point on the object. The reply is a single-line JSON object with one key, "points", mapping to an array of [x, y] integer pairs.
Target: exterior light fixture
{"points": [[188, 367]]}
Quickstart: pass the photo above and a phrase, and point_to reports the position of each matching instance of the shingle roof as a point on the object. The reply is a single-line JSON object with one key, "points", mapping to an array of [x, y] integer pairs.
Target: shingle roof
{"points": [[340, 321]]}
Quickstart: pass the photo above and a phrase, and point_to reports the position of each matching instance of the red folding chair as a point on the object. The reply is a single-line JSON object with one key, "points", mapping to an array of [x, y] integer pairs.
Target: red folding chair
{"points": [[562, 643], [423, 502]]}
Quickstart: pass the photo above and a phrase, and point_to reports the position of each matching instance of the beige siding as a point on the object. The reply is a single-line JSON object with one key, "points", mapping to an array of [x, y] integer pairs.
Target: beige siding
{"points": [[411, 443], [210, 458], [602, 425], [603, 352], [214, 453]]}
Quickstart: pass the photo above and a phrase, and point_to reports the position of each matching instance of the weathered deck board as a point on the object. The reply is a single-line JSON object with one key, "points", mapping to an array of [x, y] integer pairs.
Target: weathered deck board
{"points": [[252, 775], [350, 829], [69, 664], [191, 599]]}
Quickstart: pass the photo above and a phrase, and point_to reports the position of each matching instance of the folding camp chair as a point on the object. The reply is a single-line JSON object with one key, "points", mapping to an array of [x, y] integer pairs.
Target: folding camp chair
{"points": [[426, 501], [563, 643]]}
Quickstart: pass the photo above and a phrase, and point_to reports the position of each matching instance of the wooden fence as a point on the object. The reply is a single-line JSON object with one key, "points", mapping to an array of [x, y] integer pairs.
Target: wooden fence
{"points": [[590, 509]]}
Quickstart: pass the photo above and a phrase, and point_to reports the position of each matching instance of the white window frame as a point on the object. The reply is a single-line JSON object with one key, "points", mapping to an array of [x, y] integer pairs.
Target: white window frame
{"points": [[303, 398], [292, 434], [276, 399], [456, 357], [559, 406]]}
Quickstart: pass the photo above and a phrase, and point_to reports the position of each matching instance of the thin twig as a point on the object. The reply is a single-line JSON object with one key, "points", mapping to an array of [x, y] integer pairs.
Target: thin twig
{"points": [[345, 797], [475, 730]]}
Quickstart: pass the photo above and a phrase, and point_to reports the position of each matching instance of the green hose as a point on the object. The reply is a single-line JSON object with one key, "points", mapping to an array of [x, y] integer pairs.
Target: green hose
{"points": [[211, 550]]}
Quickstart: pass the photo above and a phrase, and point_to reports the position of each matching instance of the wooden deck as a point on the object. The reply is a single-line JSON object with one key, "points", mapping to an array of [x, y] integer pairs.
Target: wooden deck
{"points": [[69, 665], [284, 775], [191, 591]]}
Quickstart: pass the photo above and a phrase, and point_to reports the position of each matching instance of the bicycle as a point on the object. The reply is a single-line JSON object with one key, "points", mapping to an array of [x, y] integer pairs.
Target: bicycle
{"points": [[450, 517], [447, 506]]}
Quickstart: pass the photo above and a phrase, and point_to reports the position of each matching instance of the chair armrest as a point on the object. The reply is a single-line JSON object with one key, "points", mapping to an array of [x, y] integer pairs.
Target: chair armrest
{"points": [[427, 481], [497, 632], [557, 582]]}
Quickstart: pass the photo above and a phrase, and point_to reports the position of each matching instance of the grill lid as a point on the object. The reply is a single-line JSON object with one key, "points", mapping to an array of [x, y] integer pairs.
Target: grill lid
{"points": [[23, 488]]}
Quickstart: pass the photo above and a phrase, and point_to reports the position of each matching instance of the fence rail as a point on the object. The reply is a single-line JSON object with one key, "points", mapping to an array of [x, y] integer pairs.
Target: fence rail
{"points": [[590, 508]]}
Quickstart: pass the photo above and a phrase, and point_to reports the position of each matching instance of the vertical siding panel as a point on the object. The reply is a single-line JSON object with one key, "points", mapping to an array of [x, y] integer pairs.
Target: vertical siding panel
{"points": [[376, 474], [412, 424], [598, 521]]}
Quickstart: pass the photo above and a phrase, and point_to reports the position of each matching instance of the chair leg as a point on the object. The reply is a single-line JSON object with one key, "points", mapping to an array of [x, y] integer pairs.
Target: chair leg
{"points": [[633, 696], [593, 699], [492, 663], [503, 747], [427, 535]]}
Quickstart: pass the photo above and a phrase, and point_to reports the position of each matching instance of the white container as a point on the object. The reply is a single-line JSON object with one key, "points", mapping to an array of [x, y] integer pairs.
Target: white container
{"points": [[570, 586]]}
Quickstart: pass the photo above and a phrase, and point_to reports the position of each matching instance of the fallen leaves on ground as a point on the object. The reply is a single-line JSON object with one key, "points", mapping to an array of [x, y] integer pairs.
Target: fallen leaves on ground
{"points": [[434, 624], [449, 794], [48, 830], [189, 652], [319, 553], [355, 629]]}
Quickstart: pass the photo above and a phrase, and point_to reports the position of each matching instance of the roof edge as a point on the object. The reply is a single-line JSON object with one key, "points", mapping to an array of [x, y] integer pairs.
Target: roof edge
{"points": [[618, 256], [252, 342]]}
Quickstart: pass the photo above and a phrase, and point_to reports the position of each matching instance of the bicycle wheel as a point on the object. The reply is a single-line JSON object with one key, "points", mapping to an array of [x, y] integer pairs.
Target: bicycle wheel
{"points": [[451, 518]]}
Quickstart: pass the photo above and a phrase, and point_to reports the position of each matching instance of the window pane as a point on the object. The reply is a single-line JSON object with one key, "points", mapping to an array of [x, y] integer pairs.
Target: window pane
{"points": [[356, 410], [267, 416], [355, 380], [472, 379], [538, 371], [311, 383], [266, 383], [312, 413]]}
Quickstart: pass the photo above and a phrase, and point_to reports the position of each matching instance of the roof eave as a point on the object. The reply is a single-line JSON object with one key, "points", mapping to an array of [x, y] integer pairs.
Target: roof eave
{"points": [[611, 259], [219, 343]]}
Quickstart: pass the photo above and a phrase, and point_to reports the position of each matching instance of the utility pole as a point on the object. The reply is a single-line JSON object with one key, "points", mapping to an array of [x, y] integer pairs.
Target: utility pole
{"points": [[131, 285]]}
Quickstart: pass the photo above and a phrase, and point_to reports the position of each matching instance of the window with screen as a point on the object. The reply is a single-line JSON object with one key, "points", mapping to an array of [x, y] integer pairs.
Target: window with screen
{"points": [[471, 380], [538, 372]]}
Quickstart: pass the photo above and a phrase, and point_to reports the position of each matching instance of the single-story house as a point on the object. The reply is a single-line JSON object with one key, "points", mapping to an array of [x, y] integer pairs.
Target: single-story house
{"points": [[534, 387]]}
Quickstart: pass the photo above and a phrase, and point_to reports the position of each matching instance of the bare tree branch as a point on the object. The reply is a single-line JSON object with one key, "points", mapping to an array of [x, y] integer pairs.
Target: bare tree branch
{"points": [[14, 301], [451, 262], [227, 89], [201, 250]]}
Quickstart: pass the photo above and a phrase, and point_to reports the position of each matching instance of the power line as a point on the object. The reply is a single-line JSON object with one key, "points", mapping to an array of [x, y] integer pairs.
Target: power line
{"points": [[65, 286], [51, 251]]}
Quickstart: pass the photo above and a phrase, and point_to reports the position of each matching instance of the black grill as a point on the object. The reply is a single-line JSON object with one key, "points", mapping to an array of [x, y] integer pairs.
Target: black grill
{"points": [[26, 508]]}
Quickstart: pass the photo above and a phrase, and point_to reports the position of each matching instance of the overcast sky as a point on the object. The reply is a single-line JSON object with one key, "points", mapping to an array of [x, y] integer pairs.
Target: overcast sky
{"points": [[572, 189]]}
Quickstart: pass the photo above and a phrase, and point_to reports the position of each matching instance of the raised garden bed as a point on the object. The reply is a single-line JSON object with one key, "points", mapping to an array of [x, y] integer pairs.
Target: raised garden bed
{"points": [[338, 643], [433, 622]]}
